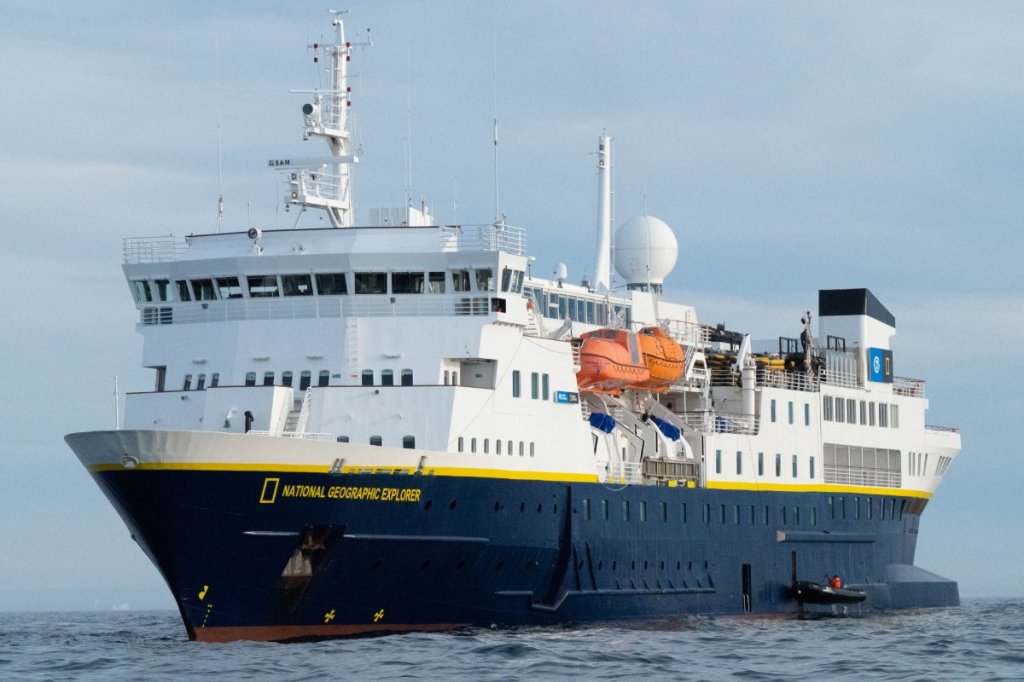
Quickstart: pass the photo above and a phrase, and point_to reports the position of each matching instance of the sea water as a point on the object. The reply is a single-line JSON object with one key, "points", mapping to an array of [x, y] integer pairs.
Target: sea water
{"points": [[980, 640]]}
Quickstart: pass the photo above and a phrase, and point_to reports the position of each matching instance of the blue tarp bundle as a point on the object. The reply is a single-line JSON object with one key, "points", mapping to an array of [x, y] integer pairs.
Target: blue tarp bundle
{"points": [[671, 431], [602, 422]]}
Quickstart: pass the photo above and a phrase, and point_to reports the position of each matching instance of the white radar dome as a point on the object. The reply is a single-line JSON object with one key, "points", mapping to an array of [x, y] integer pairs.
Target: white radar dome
{"points": [[646, 250]]}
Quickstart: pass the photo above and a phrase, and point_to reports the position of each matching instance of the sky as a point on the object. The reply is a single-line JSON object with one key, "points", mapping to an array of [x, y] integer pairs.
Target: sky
{"points": [[791, 146]]}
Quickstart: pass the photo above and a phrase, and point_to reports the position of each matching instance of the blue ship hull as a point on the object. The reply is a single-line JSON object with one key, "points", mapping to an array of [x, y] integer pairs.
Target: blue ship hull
{"points": [[279, 556]]}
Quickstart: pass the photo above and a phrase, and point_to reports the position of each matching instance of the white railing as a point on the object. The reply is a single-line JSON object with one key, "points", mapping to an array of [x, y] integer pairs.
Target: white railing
{"points": [[834, 377], [152, 249], [483, 238], [313, 183], [944, 429], [719, 422], [624, 472], [300, 425], [689, 334], [302, 436], [908, 387], [793, 380], [877, 478]]}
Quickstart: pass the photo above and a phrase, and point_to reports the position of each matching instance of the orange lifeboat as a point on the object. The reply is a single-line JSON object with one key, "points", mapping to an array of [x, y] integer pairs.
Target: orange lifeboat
{"points": [[663, 357], [610, 360]]}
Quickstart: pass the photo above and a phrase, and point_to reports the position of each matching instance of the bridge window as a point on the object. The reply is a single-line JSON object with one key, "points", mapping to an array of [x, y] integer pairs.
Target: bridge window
{"points": [[325, 378], [407, 282], [333, 283], [286, 378], [141, 291], [387, 378], [203, 289], [228, 287], [250, 378], [268, 378], [262, 286], [215, 380], [371, 283], [436, 282], [183, 291], [305, 379], [460, 280], [506, 279], [201, 382], [485, 279], [407, 377], [367, 377], [187, 384], [162, 286], [300, 285]]}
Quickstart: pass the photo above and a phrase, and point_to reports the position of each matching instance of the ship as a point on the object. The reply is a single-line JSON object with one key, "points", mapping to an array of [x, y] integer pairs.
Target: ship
{"points": [[397, 426]]}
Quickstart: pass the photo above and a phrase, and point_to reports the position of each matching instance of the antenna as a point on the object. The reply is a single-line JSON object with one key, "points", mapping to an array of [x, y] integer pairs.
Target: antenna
{"points": [[220, 150], [497, 204], [408, 129]]}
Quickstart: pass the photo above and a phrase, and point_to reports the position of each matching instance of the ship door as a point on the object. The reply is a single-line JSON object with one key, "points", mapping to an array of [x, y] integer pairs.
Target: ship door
{"points": [[746, 588]]}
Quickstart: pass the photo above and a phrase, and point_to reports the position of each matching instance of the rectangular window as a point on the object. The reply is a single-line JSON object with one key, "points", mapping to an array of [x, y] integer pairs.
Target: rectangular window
{"points": [[760, 464], [643, 511], [325, 378], [871, 414], [250, 378], [484, 279], [851, 411], [718, 461], [534, 385], [371, 282], [683, 512], [772, 405], [545, 386], [586, 509], [407, 282], [814, 516], [214, 380], [436, 282], [460, 280], [739, 463], [201, 382], [332, 283], [707, 513], [883, 415], [506, 279], [268, 378], [516, 383], [826, 408], [387, 377], [840, 410], [286, 378], [794, 466], [406, 377], [203, 289], [807, 414], [367, 377], [778, 465], [376, 440], [664, 511], [228, 287], [141, 291], [863, 412], [409, 442], [183, 292], [790, 411], [812, 466], [894, 416], [262, 286], [604, 509], [301, 285]]}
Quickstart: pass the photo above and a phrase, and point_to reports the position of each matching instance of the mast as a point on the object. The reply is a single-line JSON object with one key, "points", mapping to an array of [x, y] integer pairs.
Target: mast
{"points": [[602, 269], [326, 182]]}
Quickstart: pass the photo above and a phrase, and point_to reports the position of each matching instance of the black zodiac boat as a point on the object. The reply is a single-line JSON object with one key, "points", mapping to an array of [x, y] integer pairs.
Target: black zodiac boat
{"points": [[807, 592]]}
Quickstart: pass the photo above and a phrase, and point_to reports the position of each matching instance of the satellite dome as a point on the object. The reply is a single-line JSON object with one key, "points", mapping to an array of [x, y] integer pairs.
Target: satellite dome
{"points": [[646, 250]]}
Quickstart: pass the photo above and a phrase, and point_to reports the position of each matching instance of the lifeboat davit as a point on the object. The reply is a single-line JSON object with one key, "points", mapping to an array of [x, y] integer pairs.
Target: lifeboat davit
{"points": [[610, 360], [663, 357]]}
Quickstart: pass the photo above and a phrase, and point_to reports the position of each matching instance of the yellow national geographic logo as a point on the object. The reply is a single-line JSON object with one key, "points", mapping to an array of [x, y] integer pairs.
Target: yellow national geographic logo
{"points": [[269, 494]]}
